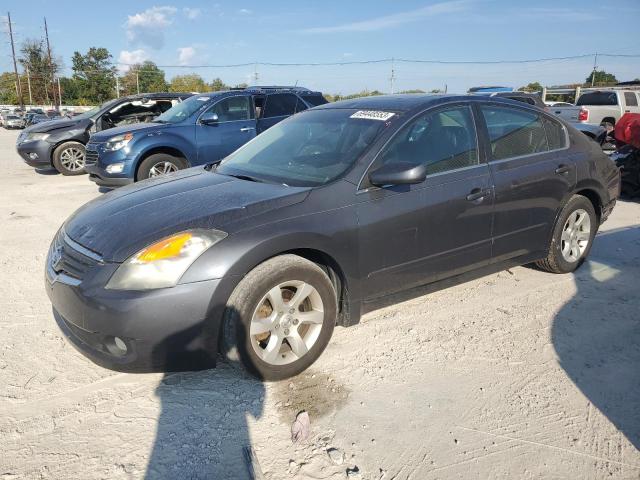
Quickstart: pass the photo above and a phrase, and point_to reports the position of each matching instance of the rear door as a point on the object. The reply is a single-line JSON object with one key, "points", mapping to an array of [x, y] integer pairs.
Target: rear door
{"points": [[532, 172], [414, 234], [277, 107], [236, 126]]}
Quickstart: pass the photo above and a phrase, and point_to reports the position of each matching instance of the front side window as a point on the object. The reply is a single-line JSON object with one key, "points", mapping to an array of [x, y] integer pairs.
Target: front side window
{"points": [[280, 105], [309, 149], [513, 132], [232, 109], [443, 140]]}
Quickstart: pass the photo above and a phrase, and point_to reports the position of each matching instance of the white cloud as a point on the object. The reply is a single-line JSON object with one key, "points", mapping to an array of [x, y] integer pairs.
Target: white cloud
{"points": [[127, 58], [245, 11], [147, 28], [191, 13], [186, 55], [396, 19]]}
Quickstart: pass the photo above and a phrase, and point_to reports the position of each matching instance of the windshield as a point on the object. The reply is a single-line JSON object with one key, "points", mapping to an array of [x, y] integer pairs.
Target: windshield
{"points": [[598, 98], [310, 149], [183, 110]]}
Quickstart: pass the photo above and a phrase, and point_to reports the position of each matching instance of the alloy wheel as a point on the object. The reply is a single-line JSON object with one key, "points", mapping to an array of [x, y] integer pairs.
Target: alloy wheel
{"points": [[576, 235], [72, 159], [162, 168], [287, 322]]}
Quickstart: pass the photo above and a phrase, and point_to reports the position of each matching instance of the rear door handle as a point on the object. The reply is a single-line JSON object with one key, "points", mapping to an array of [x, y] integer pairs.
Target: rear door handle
{"points": [[563, 169], [247, 129], [477, 194]]}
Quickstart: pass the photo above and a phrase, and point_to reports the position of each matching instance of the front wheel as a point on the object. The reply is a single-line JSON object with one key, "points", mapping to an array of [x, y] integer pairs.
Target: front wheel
{"points": [[572, 236], [280, 317], [159, 164], [68, 158]]}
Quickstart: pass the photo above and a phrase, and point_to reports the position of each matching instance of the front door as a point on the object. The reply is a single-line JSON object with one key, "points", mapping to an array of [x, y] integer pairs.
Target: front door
{"points": [[533, 172], [416, 234], [236, 125]]}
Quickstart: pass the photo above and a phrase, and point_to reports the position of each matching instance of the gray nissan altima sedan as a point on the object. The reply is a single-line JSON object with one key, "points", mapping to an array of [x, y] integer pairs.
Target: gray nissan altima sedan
{"points": [[315, 222]]}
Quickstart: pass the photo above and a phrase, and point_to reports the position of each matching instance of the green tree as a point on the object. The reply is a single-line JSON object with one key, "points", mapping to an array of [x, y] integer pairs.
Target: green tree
{"points": [[34, 59], [216, 85], [144, 77], [602, 79], [94, 74], [8, 94], [188, 83], [531, 87]]}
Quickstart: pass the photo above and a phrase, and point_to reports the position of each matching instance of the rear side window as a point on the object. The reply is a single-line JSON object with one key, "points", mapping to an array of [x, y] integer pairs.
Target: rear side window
{"points": [[630, 99], [443, 140], [556, 135], [513, 132], [279, 105], [231, 109], [598, 98]]}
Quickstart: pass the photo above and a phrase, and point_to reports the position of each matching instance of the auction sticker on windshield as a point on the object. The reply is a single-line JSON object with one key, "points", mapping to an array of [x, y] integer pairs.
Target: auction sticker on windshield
{"points": [[373, 115]]}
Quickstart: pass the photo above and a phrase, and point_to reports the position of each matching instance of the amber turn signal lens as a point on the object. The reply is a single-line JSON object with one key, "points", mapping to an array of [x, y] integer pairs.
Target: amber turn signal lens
{"points": [[169, 247]]}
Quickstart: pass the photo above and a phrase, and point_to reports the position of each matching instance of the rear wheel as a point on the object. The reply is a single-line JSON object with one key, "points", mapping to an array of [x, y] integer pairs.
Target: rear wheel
{"points": [[159, 164], [572, 236], [68, 158], [280, 317]]}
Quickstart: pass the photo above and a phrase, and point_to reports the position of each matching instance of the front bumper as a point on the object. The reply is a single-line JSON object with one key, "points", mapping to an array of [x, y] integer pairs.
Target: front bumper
{"points": [[96, 161], [168, 329], [41, 148], [102, 179]]}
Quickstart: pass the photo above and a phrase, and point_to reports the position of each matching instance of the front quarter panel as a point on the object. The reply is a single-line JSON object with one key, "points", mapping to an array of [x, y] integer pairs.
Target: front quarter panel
{"points": [[179, 137]]}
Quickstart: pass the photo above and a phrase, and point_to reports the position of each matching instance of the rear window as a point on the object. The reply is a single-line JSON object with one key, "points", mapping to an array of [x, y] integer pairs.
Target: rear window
{"points": [[314, 100], [598, 98]]}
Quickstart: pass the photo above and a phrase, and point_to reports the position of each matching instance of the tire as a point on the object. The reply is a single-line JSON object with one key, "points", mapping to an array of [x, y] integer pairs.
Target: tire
{"points": [[68, 158], [250, 302], [159, 164], [568, 250]]}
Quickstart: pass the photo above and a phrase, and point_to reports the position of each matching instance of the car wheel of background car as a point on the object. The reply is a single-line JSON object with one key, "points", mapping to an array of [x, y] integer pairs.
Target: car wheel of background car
{"points": [[160, 164], [572, 236], [68, 158], [280, 317]]}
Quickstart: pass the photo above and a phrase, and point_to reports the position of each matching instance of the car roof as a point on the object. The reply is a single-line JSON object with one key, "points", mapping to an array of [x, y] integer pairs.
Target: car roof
{"points": [[409, 101], [153, 95], [261, 90]]}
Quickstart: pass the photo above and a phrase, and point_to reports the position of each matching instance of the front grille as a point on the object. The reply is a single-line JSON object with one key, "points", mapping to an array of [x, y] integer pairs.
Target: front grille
{"points": [[69, 258], [91, 155]]}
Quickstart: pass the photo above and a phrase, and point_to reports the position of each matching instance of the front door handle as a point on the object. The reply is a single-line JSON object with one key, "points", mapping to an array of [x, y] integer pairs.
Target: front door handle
{"points": [[477, 194], [247, 129], [563, 169]]}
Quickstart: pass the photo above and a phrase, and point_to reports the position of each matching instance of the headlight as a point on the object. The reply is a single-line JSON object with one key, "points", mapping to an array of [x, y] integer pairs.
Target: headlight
{"points": [[37, 136], [162, 264], [118, 142]]}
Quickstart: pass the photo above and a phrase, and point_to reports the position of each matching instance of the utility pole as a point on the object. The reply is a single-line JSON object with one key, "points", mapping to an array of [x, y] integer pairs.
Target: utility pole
{"points": [[59, 92], [138, 80], [117, 86], [392, 79], [46, 34], [15, 65], [595, 66], [255, 74], [29, 85]]}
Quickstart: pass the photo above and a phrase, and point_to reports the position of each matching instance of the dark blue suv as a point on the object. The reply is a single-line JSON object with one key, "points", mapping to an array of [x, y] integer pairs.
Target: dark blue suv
{"points": [[200, 130]]}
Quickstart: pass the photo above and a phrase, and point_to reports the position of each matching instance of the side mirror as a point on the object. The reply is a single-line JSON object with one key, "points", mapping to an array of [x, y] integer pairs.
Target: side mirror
{"points": [[209, 118], [399, 173]]}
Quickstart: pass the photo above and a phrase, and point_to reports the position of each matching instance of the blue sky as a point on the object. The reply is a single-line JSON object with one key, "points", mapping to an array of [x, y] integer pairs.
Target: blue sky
{"points": [[199, 32]]}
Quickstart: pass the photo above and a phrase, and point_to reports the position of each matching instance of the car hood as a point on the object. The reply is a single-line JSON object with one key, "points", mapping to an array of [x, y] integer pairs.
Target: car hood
{"points": [[50, 125], [124, 221], [105, 135]]}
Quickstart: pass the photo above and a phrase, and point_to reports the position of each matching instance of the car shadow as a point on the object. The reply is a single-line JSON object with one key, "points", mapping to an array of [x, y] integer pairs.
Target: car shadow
{"points": [[203, 423], [596, 335], [47, 171]]}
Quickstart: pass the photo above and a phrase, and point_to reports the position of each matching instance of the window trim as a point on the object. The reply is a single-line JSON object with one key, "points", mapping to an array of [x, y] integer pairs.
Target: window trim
{"points": [[209, 107], [489, 153], [431, 109]]}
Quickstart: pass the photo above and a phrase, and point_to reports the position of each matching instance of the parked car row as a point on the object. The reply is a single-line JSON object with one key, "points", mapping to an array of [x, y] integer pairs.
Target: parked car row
{"points": [[258, 253], [601, 107]]}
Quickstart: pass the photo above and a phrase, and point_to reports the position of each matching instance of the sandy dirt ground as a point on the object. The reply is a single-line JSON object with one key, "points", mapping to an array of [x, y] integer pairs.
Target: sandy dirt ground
{"points": [[520, 374]]}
